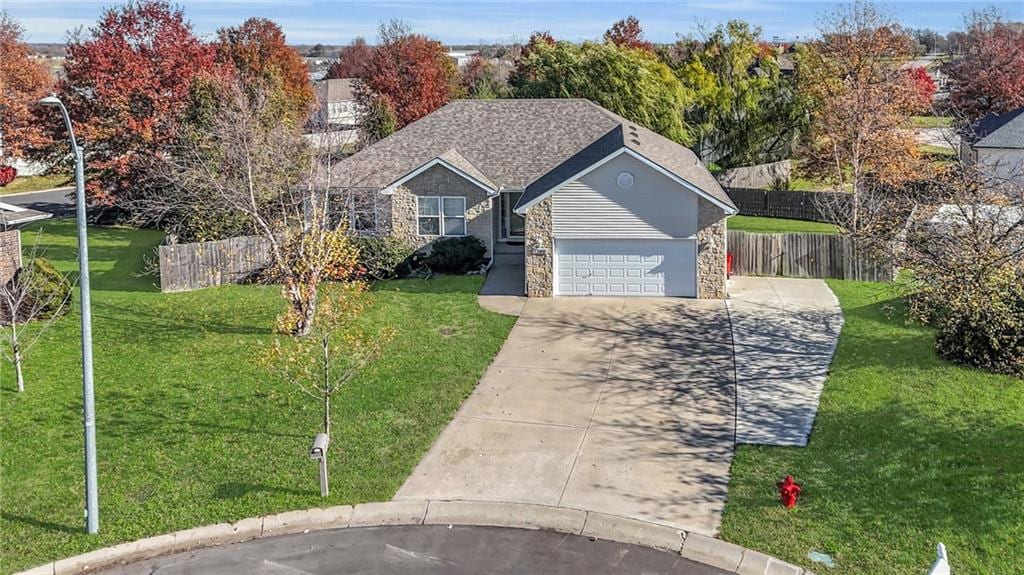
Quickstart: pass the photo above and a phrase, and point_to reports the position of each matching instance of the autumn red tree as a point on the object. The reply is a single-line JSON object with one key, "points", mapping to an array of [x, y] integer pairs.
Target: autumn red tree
{"points": [[989, 78], [126, 83], [258, 53], [409, 73], [923, 84], [353, 60], [628, 34], [22, 82]]}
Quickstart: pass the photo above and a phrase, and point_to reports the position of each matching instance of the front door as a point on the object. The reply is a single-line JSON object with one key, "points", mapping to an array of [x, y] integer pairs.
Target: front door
{"points": [[513, 225]]}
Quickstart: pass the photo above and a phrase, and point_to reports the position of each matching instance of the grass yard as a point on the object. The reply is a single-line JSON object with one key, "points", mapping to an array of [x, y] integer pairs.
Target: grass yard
{"points": [[931, 121], [189, 430], [36, 183], [762, 225], [937, 152], [907, 451]]}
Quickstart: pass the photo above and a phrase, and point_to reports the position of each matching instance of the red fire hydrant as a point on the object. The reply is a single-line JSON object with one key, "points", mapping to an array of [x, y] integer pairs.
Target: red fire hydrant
{"points": [[789, 492]]}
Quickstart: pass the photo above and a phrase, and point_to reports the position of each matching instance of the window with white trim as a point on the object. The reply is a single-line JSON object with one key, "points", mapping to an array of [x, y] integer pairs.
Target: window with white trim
{"points": [[441, 215]]}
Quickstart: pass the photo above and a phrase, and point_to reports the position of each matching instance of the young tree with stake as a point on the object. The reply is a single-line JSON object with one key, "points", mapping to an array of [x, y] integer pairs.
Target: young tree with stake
{"points": [[336, 351], [30, 302]]}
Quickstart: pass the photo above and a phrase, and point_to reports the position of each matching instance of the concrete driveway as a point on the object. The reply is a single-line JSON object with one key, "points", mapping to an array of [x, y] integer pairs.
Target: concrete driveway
{"points": [[618, 405], [786, 331]]}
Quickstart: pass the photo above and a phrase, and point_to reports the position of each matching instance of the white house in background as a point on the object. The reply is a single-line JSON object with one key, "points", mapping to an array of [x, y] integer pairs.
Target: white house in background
{"points": [[461, 58], [23, 166], [996, 143]]}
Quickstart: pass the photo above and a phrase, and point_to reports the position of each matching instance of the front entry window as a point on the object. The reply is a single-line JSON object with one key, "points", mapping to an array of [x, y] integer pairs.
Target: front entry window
{"points": [[513, 225], [441, 216]]}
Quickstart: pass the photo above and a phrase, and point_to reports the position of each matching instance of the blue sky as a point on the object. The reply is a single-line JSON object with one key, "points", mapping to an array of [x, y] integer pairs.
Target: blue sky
{"points": [[337, 22]]}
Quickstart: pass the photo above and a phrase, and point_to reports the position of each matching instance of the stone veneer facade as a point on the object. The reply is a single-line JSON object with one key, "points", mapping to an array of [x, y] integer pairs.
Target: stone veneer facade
{"points": [[711, 250], [440, 181], [10, 254], [540, 250]]}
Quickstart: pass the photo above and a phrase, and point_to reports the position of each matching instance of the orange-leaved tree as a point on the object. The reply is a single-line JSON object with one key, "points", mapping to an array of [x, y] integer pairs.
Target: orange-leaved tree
{"points": [[861, 104], [353, 60], [22, 82], [257, 53], [989, 78]]}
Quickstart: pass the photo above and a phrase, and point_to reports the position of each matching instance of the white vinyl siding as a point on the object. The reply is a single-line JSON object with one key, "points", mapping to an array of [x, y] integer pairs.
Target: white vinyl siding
{"points": [[626, 267], [594, 206]]}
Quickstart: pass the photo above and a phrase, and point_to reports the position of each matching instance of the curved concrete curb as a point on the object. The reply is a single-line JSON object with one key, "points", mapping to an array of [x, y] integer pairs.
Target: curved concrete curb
{"points": [[732, 558]]}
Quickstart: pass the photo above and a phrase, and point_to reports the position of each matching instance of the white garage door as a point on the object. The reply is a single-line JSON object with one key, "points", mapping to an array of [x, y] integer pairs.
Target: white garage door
{"points": [[626, 267]]}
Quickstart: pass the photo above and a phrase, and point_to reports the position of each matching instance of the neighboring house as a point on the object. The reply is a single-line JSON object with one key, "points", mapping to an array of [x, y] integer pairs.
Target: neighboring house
{"points": [[337, 102], [317, 67], [589, 202], [787, 65], [335, 123], [996, 144], [461, 58]]}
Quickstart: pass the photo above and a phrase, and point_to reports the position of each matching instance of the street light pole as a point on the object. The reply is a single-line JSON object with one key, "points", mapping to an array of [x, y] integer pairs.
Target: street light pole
{"points": [[92, 510]]}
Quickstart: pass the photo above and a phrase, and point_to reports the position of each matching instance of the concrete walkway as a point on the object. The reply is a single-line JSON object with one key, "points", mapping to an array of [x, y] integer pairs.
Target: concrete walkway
{"points": [[616, 405], [785, 331]]}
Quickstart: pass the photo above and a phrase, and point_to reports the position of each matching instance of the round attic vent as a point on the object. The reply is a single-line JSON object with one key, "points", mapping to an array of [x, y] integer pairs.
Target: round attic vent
{"points": [[625, 180]]}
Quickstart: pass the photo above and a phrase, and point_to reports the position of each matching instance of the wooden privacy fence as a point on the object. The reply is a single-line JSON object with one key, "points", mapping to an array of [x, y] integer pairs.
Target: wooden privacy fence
{"points": [[783, 204], [802, 256], [185, 267]]}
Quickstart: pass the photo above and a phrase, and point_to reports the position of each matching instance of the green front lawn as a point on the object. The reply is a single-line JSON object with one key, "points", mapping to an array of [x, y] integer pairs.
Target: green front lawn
{"points": [[190, 431], [907, 451], [36, 183], [761, 225]]}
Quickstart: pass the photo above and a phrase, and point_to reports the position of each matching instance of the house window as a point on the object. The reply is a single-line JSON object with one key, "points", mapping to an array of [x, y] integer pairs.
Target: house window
{"points": [[358, 210], [441, 216], [363, 215]]}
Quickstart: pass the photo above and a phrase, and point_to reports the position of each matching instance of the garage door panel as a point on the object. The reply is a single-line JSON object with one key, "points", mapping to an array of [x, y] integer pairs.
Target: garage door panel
{"points": [[626, 267]]}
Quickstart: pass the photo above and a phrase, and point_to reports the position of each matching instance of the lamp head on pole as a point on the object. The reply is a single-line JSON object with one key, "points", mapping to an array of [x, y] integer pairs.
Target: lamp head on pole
{"points": [[51, 100]]}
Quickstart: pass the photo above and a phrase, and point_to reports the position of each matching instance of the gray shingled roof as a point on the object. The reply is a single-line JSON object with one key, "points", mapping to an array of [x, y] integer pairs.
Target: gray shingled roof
{"points": [[336, 89], [519, 144], [999, 131]]}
